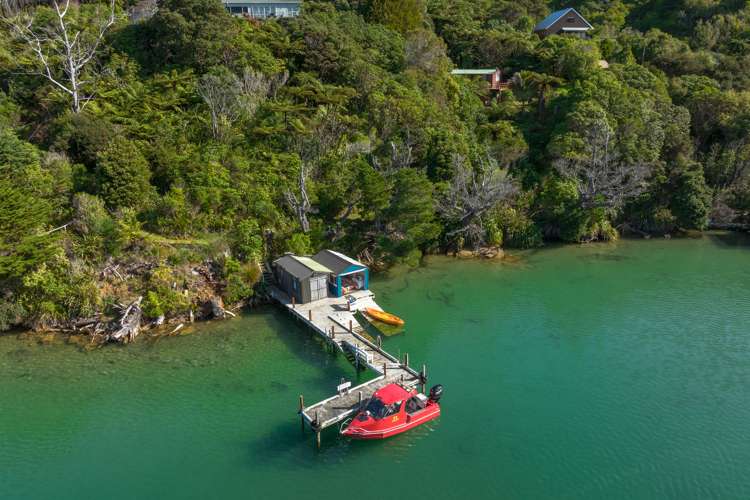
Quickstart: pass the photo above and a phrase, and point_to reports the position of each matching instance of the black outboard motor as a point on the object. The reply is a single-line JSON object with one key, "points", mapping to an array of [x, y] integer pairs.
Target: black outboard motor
{"points": [[436, 393]]}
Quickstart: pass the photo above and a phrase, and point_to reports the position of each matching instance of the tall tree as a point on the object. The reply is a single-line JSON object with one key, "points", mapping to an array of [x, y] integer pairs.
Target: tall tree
{"points": [[123, 174], [604, 177], [543, 84], [222, 92], [402, 15], [471, 193], [66, 47]]}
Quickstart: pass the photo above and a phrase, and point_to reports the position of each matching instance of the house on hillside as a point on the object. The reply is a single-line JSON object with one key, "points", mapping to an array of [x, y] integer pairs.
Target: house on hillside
{"points": [[493, 76], [563, 22], [263, 9], [347, 275]]}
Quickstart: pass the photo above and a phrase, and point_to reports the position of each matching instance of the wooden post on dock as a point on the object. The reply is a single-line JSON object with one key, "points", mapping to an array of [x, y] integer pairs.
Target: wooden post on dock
{"points": [[317, 429], [406, 359], [351, 330], [423, 377], [385, 369], [380, 342], [301, 409], [309, 315], [333, 333], [360, 399], [294, 306]]}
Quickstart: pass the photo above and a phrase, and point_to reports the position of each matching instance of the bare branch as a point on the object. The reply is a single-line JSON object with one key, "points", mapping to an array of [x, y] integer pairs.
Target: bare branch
{"points": [[222, 92], [603, 177], [59, 47], [471, 194], [303, 207]]}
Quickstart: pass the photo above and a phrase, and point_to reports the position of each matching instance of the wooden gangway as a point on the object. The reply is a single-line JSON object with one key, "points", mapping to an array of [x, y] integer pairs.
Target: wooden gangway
{"points": [[334, 320]]}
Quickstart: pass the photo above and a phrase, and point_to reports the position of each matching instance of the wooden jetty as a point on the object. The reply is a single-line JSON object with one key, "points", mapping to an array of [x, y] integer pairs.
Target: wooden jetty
{"points": [[333, 319]]}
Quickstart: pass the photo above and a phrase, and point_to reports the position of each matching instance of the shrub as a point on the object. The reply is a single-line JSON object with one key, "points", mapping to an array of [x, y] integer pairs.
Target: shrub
{"points": [[162, 296], [519, 230], [44, 293], [151, 305], [299, 244], [247, 242], [240, 278], [173, 214], [11, 313], [123, 175], [98, 233]]}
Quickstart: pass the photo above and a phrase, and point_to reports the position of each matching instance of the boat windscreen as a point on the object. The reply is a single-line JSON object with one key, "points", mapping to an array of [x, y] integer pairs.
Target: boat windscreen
{"points": [[376, 408]]}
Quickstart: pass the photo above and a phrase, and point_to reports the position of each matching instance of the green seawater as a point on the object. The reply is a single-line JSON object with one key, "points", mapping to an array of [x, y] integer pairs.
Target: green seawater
{"points": [[599, 371]]}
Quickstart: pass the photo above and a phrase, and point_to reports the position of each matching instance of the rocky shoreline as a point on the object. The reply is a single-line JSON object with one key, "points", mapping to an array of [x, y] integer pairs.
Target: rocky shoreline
{"points": [[488, 253]]}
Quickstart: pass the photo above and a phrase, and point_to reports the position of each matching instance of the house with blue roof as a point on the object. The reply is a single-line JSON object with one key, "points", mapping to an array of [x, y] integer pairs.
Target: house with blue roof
{"points": [[563, 22]]}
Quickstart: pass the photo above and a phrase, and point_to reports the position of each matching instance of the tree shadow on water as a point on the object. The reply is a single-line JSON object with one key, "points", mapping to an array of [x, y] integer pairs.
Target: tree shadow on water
{"points": [[730, 240]]}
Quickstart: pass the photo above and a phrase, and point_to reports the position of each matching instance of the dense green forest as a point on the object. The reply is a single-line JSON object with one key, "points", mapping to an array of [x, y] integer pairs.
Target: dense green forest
{"points": [[165, 151]]}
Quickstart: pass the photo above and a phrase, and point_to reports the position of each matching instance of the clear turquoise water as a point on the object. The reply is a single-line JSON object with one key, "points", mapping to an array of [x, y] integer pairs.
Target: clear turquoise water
{"points": [[617, 371]]}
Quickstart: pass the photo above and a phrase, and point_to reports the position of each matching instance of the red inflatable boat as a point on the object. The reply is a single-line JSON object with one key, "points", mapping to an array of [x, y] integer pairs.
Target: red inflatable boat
{"points": [[393, 410]]}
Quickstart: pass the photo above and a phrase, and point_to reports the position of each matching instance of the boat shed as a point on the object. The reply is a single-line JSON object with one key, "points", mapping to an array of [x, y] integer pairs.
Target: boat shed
{"points": [[302, 278], [347, 274]]}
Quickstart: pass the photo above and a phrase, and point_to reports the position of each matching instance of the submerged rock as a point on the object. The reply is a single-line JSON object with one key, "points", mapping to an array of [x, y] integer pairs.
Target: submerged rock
{"points": [[483, 252], [491, 253]]}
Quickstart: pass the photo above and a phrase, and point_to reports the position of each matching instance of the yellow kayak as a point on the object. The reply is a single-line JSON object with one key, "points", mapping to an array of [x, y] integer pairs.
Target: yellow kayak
{"points": [[385, 317]]}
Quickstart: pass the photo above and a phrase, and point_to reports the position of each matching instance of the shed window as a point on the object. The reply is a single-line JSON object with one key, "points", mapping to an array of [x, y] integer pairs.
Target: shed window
{"points": [[235, 10]]}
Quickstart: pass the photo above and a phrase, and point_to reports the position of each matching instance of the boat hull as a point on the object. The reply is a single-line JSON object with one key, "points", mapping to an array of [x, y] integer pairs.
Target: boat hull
{"points": [[384, 317], [390, 428]]}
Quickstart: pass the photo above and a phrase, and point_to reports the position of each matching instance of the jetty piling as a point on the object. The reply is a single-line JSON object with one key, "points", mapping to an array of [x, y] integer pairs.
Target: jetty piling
{"points": [[301, 409]]}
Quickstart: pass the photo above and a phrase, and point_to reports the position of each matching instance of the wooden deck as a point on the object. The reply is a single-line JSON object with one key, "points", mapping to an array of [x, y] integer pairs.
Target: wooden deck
{"points": [[335, 321]]}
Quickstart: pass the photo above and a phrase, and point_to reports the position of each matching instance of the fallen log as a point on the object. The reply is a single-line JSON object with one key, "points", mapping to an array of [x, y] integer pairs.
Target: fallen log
{"points": [[129, 324]]}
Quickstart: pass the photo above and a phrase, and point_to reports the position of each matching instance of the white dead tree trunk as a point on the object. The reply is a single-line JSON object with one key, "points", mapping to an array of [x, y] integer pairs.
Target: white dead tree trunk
{"points": [[301, 205], [63, 44], [471, 194], [230, 98], [603, 177], [129, 324], [325, 136], [222, 94]]}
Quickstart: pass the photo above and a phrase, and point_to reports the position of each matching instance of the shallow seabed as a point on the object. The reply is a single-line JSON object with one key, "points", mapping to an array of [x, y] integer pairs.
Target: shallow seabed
{"points": [[617, 371]]}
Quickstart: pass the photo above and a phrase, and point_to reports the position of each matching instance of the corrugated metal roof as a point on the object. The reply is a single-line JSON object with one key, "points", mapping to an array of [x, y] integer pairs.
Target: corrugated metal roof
{"points": [[336, 261], [473, 71], [301, 267], [555, 16], [315, 266]]}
